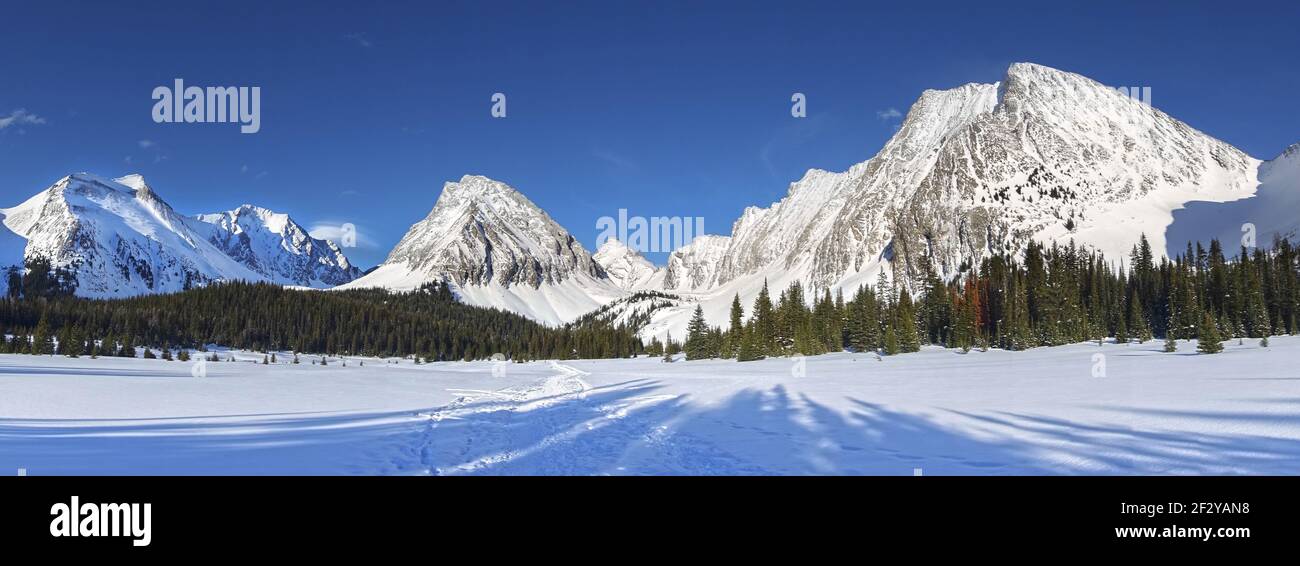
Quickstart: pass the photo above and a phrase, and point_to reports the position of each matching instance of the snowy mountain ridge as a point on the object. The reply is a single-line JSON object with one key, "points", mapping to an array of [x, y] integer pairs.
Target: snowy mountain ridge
{"points": [[276, 247], [497, 249], [975, 170], [979, 169], [122, 239]]}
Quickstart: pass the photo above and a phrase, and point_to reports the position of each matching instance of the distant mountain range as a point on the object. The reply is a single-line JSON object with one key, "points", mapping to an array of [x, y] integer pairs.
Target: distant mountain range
{"points": [[1042, 155], [122, 239]]}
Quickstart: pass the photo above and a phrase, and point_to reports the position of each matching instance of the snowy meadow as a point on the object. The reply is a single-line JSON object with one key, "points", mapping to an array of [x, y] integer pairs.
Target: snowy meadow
{"points": [[1076, 409]]}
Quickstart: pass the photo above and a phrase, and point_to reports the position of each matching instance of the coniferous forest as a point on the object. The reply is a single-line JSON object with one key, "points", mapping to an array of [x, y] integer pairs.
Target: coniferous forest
{"points": [[428, 323], [1053, 295]]}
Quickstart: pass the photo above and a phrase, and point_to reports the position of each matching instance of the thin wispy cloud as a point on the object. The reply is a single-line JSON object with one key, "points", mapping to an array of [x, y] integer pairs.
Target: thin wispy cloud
{"points": [[20, 117], [244, 170], [359, 39], [614, 159], [150, 147], [889, 114]]}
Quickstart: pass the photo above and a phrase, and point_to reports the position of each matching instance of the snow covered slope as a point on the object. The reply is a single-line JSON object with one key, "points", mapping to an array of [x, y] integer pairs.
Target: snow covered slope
{"points": [[1062, 157], [122, 239], [1042, 155], [498, 249], [276, 247], [1273, 211], [975, 170], [981, 413], [981, 168]]}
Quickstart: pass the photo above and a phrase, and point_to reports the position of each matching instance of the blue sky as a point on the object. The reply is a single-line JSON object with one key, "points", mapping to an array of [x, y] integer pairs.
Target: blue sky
{"points": [[662, 108]]}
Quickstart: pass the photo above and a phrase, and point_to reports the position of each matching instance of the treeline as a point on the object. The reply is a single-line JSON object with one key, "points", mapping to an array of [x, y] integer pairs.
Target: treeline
{"points": [[1053, 295], [428, 323]]}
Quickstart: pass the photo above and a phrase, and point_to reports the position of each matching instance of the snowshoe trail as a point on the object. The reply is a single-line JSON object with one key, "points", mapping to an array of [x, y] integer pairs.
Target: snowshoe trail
{"points": [[561, 425]]}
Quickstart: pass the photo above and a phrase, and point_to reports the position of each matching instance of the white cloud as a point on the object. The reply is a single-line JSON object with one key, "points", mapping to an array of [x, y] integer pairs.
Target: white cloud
{"points": [[20, 117], [146, 144], [889, 114], [334, 230]]}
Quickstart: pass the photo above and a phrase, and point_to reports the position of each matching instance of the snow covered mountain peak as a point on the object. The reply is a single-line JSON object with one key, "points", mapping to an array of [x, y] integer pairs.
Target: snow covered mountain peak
{"points": [[121, 239], [695, 265], [277, 248], [626, 267], [134, 180], [482, 231], [979, 169], [497, 249]]}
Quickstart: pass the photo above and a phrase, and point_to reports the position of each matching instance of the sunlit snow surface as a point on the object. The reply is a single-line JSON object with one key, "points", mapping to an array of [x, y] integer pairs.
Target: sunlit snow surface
{"points": [[1036, 412]]}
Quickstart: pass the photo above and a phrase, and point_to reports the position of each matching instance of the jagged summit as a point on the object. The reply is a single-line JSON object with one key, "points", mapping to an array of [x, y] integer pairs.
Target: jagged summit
{"points": [[483, 231], [497, 249], [122, 239], [624, 266], [975, 170], [277, 248]]}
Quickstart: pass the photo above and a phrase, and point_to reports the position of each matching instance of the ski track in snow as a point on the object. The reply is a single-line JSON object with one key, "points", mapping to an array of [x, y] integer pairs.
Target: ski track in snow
{"points": [[486, 436], [996, 412]]}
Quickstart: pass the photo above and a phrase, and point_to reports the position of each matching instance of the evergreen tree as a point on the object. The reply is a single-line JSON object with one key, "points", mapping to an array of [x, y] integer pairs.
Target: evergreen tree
{"points": [[737, 328], [76, 345], [750, 349], [42, 343], [908, 339], [765, 320], [1208, 341], [697, 347], [1137, 320], [1121, 331], [891, 340]]}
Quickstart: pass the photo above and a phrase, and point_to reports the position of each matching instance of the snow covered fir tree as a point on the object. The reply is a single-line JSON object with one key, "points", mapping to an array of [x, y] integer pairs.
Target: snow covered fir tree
{"points": [[1055, 295]]}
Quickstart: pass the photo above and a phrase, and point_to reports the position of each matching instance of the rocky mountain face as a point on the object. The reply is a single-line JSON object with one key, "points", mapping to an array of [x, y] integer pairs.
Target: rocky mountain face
{"points": [[274, 246], [1061, 157], [695, 266], [625, 267], [122, 239], [974, 170], [483, 231], [984, 168], [497, 249]]}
